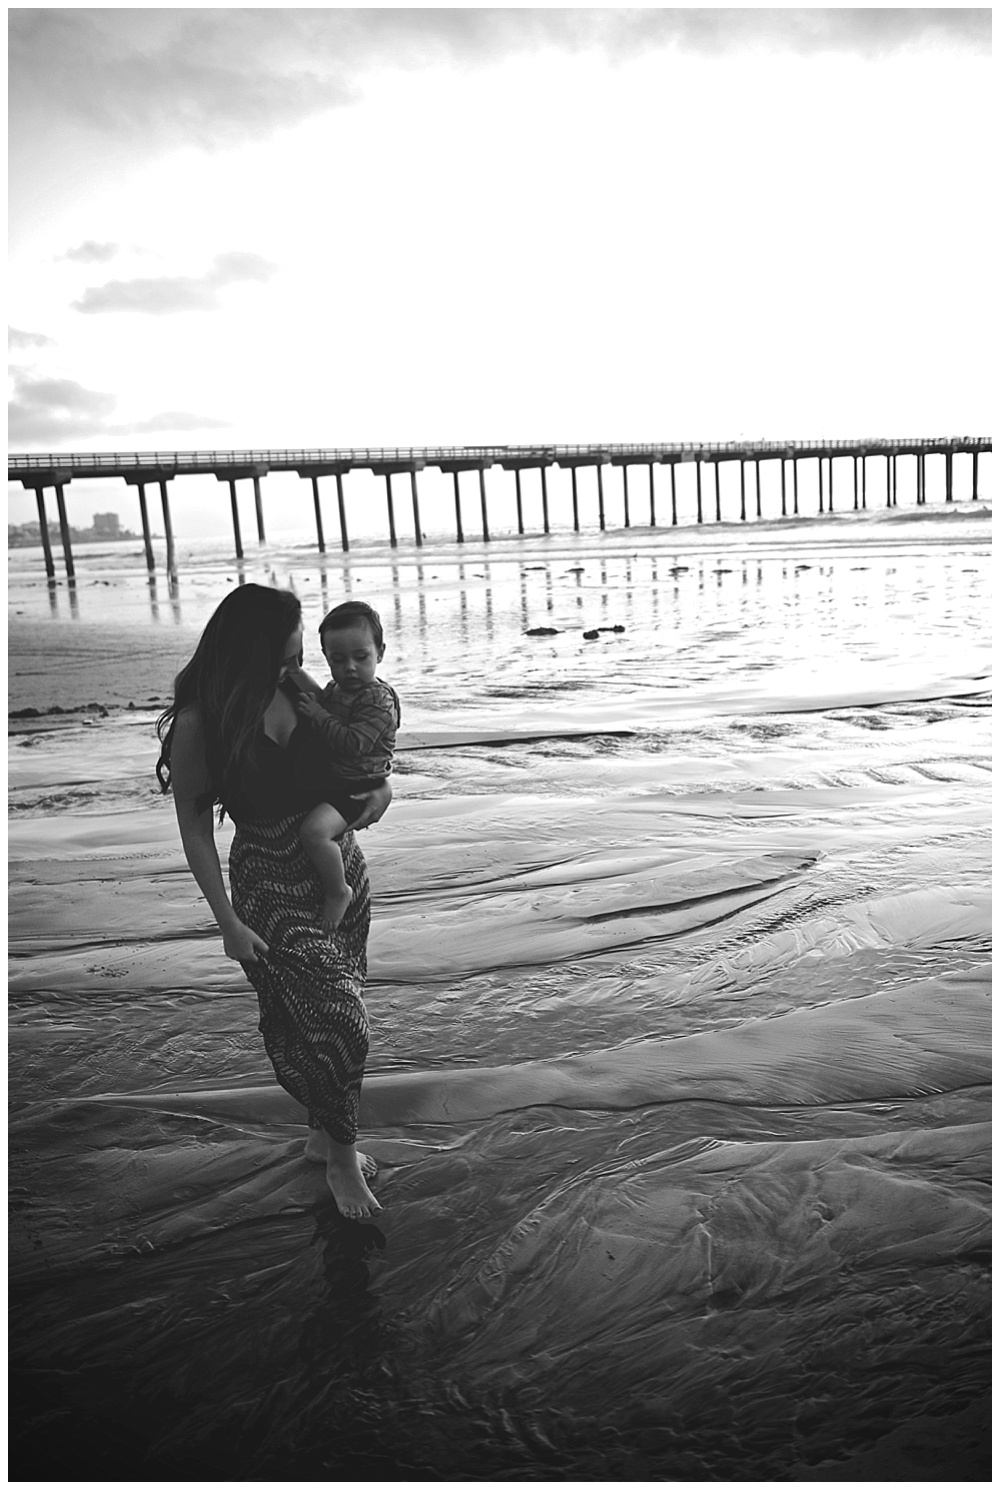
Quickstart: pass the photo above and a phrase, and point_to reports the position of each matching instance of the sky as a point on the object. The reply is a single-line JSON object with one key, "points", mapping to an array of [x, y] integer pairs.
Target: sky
{"points": [[316, 228]]}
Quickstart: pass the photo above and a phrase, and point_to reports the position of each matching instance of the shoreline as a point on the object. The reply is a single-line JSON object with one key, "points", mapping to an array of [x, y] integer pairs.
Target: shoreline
{"points": [[835, 525]]}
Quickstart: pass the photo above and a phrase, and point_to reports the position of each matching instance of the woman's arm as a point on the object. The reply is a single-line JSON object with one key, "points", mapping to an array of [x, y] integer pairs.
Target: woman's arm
{"points": [[189, 780], [376, 802]]}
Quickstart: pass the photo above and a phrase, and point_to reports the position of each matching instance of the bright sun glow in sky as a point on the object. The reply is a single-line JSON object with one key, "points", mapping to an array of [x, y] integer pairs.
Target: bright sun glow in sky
{"points": [[341, 228]]}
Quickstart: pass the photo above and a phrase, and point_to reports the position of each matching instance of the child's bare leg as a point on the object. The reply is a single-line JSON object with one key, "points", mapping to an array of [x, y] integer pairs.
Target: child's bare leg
{"points": [[318, 835]]}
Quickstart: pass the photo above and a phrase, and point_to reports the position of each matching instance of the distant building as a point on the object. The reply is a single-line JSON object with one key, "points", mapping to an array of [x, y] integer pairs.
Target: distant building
{"points": [[21, 535], [106, 528]]}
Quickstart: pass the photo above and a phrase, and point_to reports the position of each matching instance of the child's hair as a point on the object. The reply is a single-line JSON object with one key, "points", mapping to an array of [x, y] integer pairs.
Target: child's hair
{"points": [[346, 615]]}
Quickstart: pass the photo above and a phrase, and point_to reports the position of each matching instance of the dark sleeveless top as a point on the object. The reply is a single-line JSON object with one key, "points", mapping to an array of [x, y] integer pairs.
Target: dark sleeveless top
{"points": [[286, 781]]}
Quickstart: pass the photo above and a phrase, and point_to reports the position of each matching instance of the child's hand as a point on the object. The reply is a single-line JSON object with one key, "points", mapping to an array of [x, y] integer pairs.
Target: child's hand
{"points": [[309, 708]]}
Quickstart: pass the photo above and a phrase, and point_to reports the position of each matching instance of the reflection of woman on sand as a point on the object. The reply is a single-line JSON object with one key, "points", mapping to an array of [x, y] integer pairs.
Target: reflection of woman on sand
{"points": [[232, 737]]}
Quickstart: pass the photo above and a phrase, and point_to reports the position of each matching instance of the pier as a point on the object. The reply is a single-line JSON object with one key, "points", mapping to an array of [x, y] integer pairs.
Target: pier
{"points": [[42, 473]]}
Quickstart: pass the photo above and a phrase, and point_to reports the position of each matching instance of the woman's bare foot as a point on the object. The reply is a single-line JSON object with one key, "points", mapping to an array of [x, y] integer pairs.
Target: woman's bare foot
{"points": [[317, 1152], [355, 1201], [335, 908]]}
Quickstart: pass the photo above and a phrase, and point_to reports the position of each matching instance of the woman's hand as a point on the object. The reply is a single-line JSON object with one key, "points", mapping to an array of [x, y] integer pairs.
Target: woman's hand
{"points": [[242, 944], [376, 802]]}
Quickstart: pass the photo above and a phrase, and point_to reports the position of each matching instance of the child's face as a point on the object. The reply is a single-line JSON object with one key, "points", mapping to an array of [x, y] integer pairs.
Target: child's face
{"points": [[352, 655]]}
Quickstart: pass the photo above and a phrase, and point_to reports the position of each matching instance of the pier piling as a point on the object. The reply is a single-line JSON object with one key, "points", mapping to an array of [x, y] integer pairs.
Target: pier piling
{"points": [[146, 536], [697, 480], [652, 498], [393, 541], [237, 538], [518, 499], [625, 494], [576, 502], [718, 499], [312, 471], [482, 504], [43, 525], [783, 511], [259, 509], [147, 540], [345, 542], [459, 535], [64, 531], [600, 496], [545, 501], [318, 515], [743, 492], [236, 472], [673, 494], [756, 478], [418, 535], [168, 531], [470, 462]]}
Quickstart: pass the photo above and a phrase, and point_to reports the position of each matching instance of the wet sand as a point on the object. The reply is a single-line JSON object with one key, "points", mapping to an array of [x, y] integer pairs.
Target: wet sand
{"points": [[679, 1081]]}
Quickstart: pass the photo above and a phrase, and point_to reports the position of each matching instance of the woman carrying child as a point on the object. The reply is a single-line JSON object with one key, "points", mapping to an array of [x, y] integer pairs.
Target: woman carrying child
{"points": [[232, 737]]}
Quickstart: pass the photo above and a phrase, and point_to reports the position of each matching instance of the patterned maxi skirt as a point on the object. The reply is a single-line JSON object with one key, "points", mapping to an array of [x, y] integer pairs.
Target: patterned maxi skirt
{"points": [[309, 985]]}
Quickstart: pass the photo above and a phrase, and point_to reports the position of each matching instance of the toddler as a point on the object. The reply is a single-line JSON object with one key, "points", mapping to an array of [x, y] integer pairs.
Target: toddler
{"points": [[357, 716]]}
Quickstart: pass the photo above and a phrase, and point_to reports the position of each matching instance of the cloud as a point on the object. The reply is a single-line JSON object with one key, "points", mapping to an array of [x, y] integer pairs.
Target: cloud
{"points": [[174, 420], [153, 297], [210, 77], [167, 294], [214, 77], [55, 411], [236, 266], [872, 34], [90, 252], [20, 341], [44, 409]]}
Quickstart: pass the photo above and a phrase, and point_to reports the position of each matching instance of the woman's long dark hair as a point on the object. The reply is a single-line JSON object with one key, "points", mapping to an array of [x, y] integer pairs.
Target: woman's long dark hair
{"points": [[230, 680]]}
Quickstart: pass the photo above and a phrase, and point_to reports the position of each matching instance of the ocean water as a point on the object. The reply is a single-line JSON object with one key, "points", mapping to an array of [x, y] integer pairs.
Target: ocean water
{"points": [[679, 1079]]}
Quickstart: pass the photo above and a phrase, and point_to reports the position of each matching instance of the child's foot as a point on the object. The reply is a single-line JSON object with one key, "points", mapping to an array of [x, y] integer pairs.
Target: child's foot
{"points": [[334, 909], [355, 1201], [317, 1152]]}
